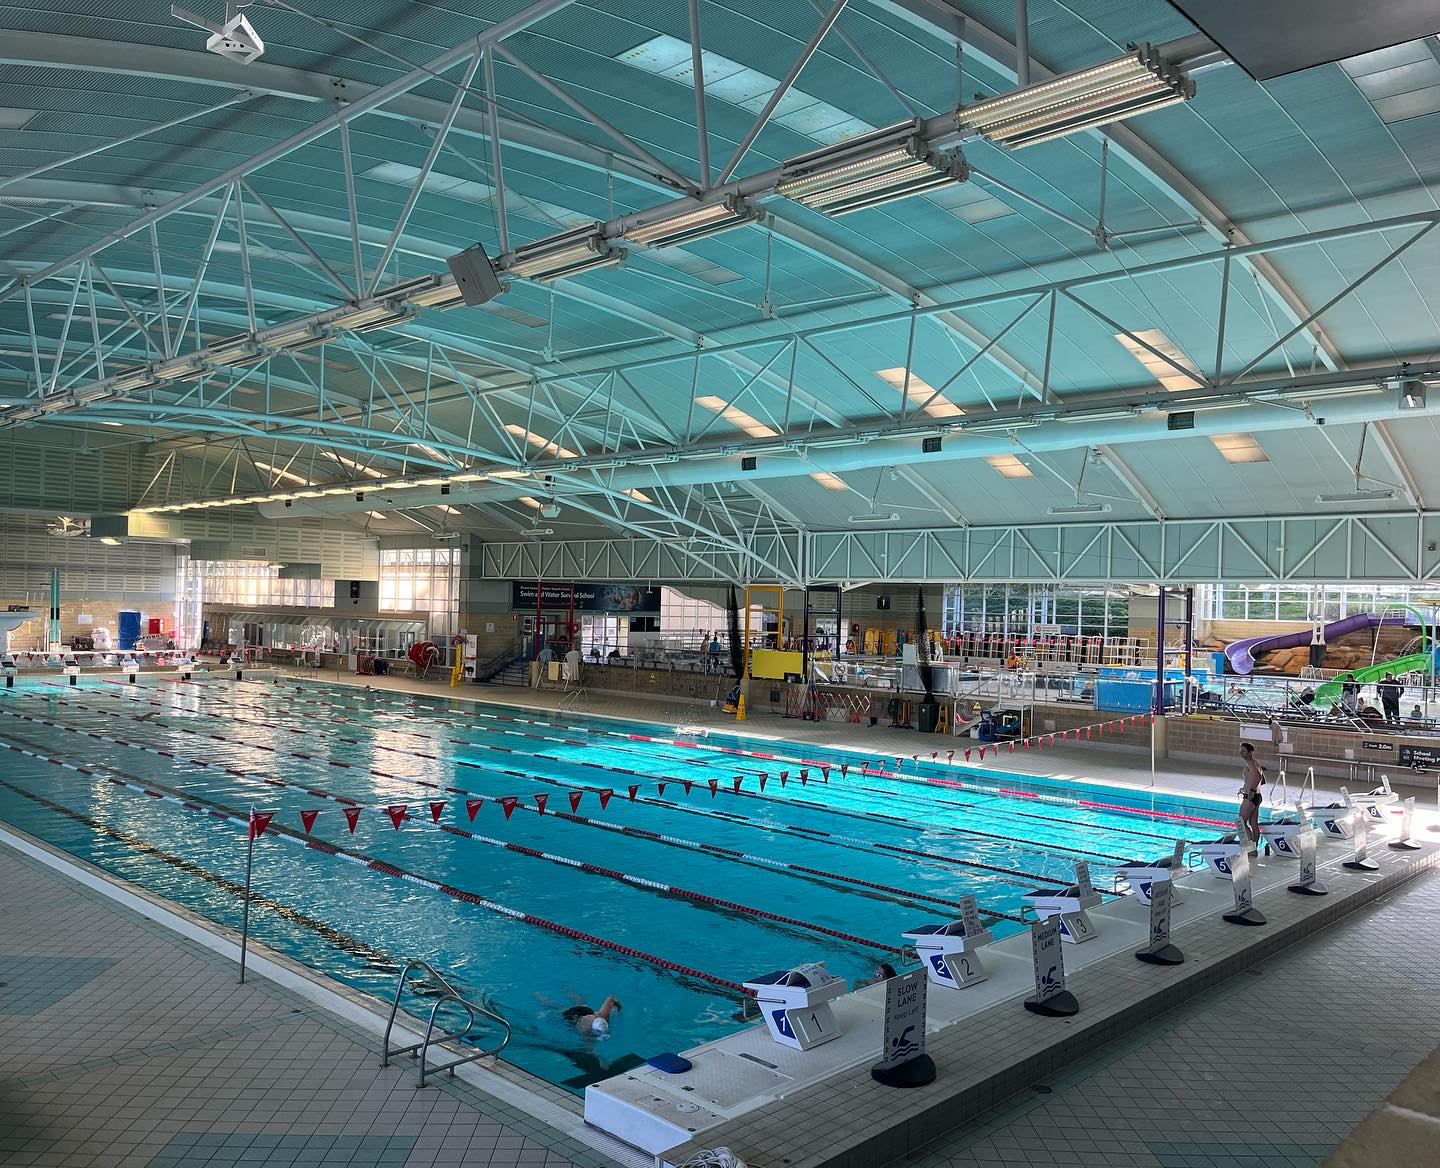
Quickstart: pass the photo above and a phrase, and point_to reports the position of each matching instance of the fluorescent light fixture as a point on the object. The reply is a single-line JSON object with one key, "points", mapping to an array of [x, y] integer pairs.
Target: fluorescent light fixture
{"points": [[180, 369], [1010, 466], [692, 225], [921, 393], [566, 254], [1239, 448], [1081, 509], [538, 531], [377, 316], [110, 540], [293, 338], [1136, 83], [1163, 372], [869, 173], [131, 379], [546, 446], [875, 517], [530, 501], [1374, 496], [427, 292]]}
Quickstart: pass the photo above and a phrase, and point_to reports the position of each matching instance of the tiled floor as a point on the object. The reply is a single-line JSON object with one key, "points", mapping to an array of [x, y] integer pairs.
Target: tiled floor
{"points": [[1271, 1069], [122, 1045]]}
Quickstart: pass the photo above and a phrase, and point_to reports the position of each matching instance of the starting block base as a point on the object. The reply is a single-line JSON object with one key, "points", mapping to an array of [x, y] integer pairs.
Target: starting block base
{"points": [[1315, 888], [1164, 955], [1361, 865], [1061, 1005], [916, 1072], [1403, 846], [1251, 916]]}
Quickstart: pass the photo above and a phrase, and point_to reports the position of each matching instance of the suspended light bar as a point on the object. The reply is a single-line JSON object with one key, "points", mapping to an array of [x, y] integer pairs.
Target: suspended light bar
{"points": [[692, 225], [566, 254], [427, 292], [379, 315], [1134, 84], [896, 173]]}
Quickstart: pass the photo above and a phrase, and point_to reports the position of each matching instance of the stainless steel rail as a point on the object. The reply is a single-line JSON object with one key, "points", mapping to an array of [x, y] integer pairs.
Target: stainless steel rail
{"points": [[420, 1050]]}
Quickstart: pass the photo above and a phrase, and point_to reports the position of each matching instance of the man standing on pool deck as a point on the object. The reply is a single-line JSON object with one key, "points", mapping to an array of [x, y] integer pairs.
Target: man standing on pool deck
{"points": [[1390, 691], [1251, 776]]}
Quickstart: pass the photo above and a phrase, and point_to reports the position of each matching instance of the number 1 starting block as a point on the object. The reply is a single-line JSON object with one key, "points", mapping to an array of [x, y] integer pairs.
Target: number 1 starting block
{"points": [[796, 1004]]}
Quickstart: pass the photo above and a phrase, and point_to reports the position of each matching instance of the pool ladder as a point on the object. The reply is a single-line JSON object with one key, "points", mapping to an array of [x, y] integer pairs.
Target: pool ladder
{"points": [[447, 995]]}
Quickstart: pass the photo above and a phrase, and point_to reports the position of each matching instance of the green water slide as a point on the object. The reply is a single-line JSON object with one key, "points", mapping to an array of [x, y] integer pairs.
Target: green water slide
{"points": [[1414, 663]]}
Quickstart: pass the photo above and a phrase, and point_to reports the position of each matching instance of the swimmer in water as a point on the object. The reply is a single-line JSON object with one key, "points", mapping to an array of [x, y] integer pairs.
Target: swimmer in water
{"points": [[592, 1023], [146, 716]]}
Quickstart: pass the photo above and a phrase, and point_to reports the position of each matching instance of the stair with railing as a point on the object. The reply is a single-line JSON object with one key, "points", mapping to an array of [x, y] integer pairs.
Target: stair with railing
{"points": [[447, 995]]}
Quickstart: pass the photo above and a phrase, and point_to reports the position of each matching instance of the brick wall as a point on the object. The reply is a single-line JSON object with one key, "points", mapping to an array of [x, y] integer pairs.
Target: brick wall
{"points": [[104, 614]]}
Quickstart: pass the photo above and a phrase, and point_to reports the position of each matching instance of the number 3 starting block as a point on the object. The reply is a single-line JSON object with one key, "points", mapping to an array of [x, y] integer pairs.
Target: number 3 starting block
{"points": [[1069, 905]]}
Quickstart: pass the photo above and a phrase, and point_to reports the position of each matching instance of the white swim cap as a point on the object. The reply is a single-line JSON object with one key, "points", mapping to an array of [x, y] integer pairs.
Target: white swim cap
{"points": [[599, 1026]]}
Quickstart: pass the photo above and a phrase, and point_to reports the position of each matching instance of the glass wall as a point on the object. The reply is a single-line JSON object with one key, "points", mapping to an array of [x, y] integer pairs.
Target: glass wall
{"points": [[1016, 608], [252, 583], [423, 579], [1306, 602]]}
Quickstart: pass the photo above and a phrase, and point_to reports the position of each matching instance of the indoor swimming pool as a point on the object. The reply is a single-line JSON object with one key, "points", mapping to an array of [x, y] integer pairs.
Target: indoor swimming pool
{"points": [[546, 858]]}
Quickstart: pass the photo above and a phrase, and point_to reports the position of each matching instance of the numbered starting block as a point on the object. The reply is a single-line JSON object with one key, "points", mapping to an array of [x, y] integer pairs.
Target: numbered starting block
{"points": [[1374, 803], [951, 954], [1219, 855], [1140, 875], [1337, 821], [1069, 904], [1281, 836], [796, 1004]]}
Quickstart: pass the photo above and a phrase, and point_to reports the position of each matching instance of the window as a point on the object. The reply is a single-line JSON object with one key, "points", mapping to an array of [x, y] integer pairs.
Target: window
{"points": [[253, 583], [423, 579]]}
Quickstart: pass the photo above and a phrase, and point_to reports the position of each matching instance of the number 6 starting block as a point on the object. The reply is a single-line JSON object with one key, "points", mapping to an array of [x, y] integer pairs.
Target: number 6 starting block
{"points": [[1283, 835], [1069, 905], [796, 1004], [951, 952]]}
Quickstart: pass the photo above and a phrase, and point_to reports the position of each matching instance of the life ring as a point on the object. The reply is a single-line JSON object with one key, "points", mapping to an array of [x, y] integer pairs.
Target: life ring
{"points": [[423, 654]]}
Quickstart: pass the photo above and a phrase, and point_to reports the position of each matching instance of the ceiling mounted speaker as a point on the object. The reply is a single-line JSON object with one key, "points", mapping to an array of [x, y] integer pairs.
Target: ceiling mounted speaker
{"points": [[475, 275]]}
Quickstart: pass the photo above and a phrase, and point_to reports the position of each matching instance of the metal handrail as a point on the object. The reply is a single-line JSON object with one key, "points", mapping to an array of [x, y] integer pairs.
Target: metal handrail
{"points": [[421, 1049]]}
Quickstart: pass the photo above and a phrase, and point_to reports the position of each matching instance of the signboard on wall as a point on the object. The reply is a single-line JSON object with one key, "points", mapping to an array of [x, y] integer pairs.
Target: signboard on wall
{"points": [[1423, 756], [632, 599]]}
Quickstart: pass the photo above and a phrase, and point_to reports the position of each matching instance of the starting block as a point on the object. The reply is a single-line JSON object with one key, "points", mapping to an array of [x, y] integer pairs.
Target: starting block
{"points": [[1283, 836], [1373, 803], [951, 952], [1140, 875], [1337, 821], [796, 1004], [1218, 855], [1069, 904]]}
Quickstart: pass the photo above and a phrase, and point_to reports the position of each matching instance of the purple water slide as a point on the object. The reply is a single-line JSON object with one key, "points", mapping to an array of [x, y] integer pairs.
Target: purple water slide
{"points": [[1241, 654]]}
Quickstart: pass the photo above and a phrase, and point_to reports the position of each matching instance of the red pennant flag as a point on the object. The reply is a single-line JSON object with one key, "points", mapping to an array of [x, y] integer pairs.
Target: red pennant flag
{"points": [[605, 798], [967, 754], [352, 817], [949, 756], [982, 754], [1027, 744], [784, 777], [688, 783], [804, 777], [844, 767], [1012, 746], [934, 754], [308, 819], [540, 801], [472, 806], [397, 812], [508, 804], [1087, 731], [763, 779], [825, 770], [713, 783], [635, 790], [575, 797], [435, 810], [661, 790], [259, 821], [738, 780]]}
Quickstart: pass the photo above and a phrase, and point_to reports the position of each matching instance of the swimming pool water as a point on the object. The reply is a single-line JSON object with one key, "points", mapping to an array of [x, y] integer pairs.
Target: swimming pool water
{"points": [[724, 884]]}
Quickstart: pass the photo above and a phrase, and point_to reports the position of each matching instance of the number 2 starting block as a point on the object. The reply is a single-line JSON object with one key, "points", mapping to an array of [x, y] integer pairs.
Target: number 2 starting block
{"points": [[796, 1004], [951, 952], [1069, 904]]}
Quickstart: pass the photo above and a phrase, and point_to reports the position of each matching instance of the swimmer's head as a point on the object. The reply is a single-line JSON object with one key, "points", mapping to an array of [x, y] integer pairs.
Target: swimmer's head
{"points": [[599, 1027]]}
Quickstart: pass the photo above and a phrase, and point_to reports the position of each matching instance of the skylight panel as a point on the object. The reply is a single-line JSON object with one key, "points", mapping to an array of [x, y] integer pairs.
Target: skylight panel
{"points": [[545, 444], [1163, 372], [1239, 448], [1010, 466], [920, 392]]}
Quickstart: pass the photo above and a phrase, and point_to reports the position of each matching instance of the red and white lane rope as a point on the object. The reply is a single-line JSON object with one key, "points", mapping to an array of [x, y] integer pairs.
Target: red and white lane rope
{"points": [[676, 841], [219, 811]]}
